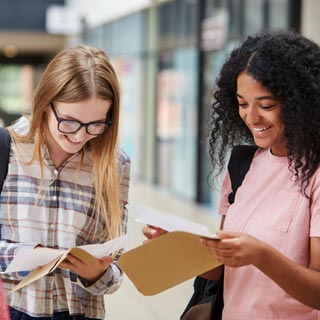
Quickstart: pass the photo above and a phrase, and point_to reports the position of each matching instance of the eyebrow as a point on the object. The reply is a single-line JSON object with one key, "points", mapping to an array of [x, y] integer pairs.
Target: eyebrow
{"points": [[259, 98]]}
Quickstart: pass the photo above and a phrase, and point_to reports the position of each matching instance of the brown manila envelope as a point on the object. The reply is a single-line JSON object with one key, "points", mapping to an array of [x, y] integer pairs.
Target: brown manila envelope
{"points": [[169, 260]]}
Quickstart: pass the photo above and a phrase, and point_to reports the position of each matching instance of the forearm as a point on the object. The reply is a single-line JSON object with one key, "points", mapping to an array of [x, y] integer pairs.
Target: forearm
{"points": [[108, 283], [300, 282]]}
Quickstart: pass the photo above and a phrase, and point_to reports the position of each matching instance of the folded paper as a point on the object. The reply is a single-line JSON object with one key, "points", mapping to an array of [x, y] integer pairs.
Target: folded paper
{"points": [[43, 261]]}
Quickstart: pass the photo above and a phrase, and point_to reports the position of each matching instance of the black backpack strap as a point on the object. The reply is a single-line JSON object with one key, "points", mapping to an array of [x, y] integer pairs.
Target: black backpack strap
{"points": [[218, 303], [5, 142], [238, 166]]}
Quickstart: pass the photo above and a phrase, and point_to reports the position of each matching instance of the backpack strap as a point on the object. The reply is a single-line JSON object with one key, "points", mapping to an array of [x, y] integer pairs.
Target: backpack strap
{"points": [[5, 142], [238, 166]]}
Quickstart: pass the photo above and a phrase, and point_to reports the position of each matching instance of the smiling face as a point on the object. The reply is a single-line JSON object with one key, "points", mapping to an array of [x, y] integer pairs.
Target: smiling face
{"points": [[261, 112], [62, 145]]}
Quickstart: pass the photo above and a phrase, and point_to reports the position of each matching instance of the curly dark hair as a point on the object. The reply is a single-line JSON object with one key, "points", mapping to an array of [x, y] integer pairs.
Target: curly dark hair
{"points": [[288, 65]]}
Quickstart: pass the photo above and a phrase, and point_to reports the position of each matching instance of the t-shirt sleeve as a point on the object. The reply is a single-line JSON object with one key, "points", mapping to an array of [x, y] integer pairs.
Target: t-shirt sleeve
{"points": [[225, 191]]}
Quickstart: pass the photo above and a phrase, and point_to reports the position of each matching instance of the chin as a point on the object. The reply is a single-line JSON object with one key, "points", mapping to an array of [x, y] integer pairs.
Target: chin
{"points": [[71, 149], [260, 143]]}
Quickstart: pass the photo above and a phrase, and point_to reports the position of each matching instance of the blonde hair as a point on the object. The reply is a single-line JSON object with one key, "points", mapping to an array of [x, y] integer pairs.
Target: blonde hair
{"points": [[76, 74]]}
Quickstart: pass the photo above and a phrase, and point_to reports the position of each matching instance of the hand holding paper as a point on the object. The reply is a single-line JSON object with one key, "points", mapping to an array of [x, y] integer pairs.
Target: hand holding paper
{"points": [[168, 222], [45, 260]]}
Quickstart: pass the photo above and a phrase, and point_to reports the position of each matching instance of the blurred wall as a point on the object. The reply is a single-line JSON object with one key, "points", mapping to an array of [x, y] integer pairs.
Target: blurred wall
{"points": [[310, 19], [97, 12]]}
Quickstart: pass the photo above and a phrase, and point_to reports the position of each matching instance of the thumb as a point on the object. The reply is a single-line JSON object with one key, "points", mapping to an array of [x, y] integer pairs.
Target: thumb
{"points": [[107, 260], [222, 234]]}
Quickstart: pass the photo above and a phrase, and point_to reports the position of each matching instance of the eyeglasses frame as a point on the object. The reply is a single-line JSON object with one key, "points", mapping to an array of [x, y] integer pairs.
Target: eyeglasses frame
{"points": [[108, 123]]}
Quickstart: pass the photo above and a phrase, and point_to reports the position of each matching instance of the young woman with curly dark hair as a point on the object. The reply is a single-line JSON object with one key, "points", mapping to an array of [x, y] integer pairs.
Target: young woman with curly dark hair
{"points": [[268, 94]]}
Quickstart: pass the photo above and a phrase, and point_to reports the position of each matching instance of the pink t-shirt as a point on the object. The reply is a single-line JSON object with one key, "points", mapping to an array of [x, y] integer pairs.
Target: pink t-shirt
{"points": [[269, 206]]}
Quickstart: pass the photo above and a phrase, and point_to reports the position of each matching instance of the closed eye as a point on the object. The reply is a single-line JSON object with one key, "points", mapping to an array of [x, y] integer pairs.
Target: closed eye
{"points": [[97, 123], [242, 104], [267, 107]]}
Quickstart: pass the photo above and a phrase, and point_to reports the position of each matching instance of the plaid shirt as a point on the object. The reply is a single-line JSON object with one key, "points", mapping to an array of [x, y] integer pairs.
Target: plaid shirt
{"points": [[57, 212]]}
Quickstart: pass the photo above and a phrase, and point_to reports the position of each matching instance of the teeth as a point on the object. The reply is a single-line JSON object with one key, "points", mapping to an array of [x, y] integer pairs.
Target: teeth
{"points": [[72, 140], [261, 129]]}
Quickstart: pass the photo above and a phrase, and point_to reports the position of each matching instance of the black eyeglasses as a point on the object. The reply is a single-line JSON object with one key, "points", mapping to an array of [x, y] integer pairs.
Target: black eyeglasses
{"points": [[94, 128]]}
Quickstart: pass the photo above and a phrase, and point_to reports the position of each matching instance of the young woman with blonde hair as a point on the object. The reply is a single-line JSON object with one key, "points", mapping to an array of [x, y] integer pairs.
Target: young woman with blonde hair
{"points": [[67, 185]]}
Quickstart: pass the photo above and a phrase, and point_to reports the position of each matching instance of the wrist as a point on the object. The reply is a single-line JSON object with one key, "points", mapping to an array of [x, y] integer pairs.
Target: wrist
{"points": [[263, 255]]}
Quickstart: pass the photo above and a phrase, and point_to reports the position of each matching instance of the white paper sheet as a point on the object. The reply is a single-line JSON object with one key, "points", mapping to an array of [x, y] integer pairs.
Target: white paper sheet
{"points": [[28, 258], [107, 248], [166, 221]]}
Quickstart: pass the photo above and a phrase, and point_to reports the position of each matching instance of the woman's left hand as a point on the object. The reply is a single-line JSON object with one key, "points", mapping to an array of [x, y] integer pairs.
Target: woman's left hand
{"points": [[235, 249], [89, 271]]}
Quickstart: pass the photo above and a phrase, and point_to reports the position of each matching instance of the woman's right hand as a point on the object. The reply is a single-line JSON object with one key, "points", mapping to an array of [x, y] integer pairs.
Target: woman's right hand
{"points": [[151, 232]]}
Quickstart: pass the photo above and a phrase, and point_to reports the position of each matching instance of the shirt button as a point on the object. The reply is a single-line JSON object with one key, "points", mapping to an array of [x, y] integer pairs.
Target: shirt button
{"points": [[54, 198], [56, 172]]}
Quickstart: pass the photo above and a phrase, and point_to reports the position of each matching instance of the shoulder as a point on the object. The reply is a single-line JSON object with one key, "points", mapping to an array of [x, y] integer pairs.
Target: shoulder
{"points": [[21, 126], [315, 179], [123, 165], [122, 157]]}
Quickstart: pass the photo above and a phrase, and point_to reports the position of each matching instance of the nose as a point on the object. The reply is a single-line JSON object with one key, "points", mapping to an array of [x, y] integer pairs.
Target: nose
{"points": [[81, 134], [252, 114]]}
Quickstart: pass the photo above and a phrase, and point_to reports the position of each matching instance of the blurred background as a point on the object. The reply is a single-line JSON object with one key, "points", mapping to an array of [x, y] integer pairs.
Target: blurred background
{"points": [[167, 54]]}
